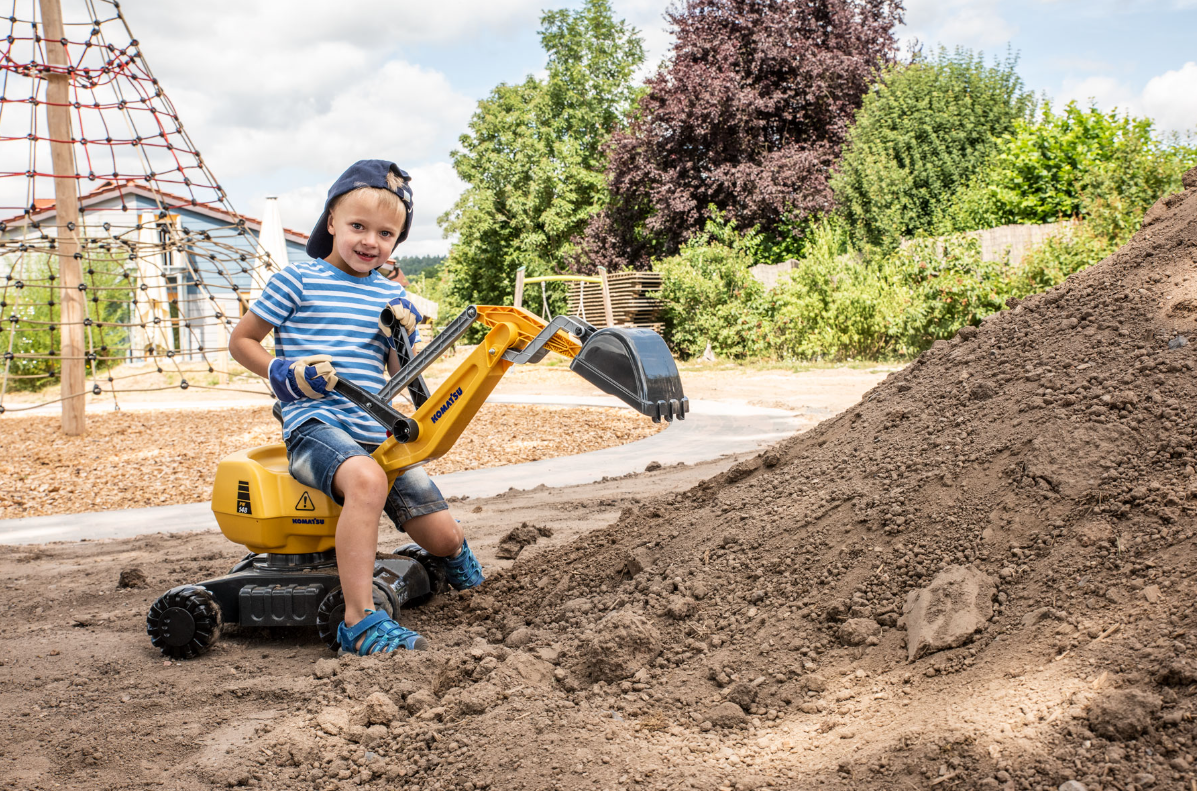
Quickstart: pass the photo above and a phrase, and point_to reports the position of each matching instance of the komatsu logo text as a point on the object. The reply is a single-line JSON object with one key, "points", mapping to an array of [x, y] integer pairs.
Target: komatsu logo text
{"points": [[456, 394], [307, 521]]}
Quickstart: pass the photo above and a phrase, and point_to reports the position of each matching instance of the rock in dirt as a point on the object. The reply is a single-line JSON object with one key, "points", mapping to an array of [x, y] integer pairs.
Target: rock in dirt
{"points": [[327, 668], [527, 669], [1072, 785], [726, 715], [380, 709], [132, 578], [621, 644], [982, 391], [419, 700], [637, 561], [1178, 673], [948, 612], [514, 542], [1123, 713], [680, 607], [857, 631], [333, 720], [519, 638], [479, 698], [741, 694]]}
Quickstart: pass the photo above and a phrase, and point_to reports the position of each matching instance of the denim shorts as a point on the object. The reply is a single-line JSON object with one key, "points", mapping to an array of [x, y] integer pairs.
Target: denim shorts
{"points": [[316, 450]]}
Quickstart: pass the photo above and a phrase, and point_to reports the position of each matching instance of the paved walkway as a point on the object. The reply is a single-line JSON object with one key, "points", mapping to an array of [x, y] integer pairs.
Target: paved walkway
{"points": [[712, 429]]}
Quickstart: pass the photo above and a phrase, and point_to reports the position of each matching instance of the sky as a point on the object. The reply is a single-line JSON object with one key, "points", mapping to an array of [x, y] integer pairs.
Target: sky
{"points": [[282, 95]]}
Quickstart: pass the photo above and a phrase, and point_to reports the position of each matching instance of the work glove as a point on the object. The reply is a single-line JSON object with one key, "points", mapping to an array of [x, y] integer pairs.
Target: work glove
{"points": [[310, 377], [400, 312]]}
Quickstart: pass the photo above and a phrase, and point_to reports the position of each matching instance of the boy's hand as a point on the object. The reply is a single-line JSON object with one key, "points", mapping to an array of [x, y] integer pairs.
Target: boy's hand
{"points": [[400, 312], [311, 377]]}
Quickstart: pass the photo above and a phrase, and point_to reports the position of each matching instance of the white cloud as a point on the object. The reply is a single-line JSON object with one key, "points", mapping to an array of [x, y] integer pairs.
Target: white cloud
{"points": [[1106, 92], [281, 95], [1171, 98], [967, 23], [399, 111]]}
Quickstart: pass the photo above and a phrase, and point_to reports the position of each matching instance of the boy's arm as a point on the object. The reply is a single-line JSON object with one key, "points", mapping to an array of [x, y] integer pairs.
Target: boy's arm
{"points": [[245, 344]]}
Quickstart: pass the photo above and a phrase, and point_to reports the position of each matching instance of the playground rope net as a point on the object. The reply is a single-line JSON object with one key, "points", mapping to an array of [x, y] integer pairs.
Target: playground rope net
{"points": [[167, 264]]}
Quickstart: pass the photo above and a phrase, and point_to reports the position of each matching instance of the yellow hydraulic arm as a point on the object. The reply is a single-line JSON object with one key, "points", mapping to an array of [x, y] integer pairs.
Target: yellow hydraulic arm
{"points": [[444, 416]]}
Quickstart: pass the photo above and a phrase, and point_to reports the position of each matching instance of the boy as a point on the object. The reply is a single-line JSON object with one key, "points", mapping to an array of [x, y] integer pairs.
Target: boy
{"points": [[325, 317]]}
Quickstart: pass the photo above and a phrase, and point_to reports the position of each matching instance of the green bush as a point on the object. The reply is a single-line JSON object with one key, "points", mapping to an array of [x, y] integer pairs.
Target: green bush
{"points": [[837, 304], [924, 131], [35, 338], [709, 297], [1077, 163], [832, 305], [1049, 263]]}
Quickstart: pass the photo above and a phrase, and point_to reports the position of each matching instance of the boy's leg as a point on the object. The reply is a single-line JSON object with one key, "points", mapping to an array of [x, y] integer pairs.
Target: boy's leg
{"points": [[417, 508], [362, 485], [438, 532], [328, 459]]}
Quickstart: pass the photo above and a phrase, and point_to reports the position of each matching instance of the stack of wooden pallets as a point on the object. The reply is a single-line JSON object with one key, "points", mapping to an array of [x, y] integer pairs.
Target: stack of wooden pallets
{"points": [[630, 304]]}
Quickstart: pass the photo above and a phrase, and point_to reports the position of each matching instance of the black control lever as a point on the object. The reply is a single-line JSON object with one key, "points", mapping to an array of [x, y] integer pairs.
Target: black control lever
{"points": [[414, 370], [402, 428]]}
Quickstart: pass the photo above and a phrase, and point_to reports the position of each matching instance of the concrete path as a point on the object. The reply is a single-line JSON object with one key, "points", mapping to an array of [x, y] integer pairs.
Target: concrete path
{"points": [[712, 429]]}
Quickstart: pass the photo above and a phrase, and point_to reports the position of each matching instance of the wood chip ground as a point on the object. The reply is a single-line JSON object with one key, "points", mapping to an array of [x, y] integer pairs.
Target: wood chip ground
{"points": [[139, 459]]}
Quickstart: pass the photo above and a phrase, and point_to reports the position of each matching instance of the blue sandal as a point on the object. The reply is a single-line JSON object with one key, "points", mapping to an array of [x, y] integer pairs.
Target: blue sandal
{"points": [[381, 635], [463, 570]]}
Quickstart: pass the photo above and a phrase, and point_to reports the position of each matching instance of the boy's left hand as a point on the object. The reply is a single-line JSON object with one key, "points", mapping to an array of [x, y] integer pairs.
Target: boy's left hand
{"points": [[402, 313]]}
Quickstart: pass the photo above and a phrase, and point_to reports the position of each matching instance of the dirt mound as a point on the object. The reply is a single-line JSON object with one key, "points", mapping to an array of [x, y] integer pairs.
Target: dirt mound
{"points": [[1051, 448]]}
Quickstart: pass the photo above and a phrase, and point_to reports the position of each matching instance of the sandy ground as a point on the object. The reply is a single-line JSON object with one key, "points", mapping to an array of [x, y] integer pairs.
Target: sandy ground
{"points": [[74, 658]]}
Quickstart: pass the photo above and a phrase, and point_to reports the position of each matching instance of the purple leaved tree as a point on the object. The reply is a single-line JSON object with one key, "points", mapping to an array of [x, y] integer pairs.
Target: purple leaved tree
{"points": [[747, 114]]}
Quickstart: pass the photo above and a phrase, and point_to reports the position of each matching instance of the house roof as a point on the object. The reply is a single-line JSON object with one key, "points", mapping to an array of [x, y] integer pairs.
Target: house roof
{"points": [[44, 207], [391, 271]]}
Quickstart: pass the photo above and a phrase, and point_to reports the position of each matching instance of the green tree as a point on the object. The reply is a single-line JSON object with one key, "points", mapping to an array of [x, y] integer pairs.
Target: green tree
{"points": [[923, 132], [533, 159], [1078, 163]]}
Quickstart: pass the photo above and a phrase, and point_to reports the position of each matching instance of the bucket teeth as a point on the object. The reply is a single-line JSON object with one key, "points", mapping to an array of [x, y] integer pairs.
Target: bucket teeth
{"points": [[672, 409]]}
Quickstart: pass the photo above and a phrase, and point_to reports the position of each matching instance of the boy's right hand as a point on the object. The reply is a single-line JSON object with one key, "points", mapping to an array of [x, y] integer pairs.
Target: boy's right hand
{"points": [[310, 377], [400, 312]]}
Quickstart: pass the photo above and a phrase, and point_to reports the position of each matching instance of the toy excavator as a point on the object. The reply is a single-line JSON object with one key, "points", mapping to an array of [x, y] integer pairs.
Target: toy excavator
{"points": [[289, 577]]}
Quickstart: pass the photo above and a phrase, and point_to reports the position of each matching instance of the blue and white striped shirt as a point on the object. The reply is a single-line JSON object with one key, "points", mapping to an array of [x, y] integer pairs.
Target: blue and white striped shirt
{"points": [[318, 309]]}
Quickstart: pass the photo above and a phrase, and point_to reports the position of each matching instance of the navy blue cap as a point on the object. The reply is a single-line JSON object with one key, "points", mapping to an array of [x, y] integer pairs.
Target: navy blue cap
{"points": [[363, 173]]}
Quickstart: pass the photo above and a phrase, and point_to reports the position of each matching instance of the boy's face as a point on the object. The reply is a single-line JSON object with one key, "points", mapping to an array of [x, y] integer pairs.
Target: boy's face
{"points": [[364, 231]]}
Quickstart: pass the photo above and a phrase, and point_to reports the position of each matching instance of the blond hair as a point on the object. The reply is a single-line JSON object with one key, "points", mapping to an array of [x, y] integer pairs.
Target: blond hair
{"points": [[385, 197]]}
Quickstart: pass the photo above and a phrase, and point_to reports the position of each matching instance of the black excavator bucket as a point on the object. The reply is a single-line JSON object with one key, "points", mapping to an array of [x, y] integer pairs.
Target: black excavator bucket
{"points": [[635, 366]]}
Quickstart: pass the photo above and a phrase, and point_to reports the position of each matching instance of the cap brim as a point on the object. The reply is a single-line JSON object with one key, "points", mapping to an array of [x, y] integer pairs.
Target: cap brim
{"points": [[320, 243]]}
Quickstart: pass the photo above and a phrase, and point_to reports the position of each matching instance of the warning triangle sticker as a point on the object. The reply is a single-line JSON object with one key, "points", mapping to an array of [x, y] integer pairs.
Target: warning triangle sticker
{"points": [[305, 503]]}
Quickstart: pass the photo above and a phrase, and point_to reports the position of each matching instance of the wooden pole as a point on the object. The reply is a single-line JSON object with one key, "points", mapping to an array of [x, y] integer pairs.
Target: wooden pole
{"points": [[519, 288], [66, 207], [222, 354], [606, 297]]}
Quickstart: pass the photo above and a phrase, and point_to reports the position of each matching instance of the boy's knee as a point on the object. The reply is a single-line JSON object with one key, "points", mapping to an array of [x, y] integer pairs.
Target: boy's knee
{"points": [[438, 532], [360, 478]]}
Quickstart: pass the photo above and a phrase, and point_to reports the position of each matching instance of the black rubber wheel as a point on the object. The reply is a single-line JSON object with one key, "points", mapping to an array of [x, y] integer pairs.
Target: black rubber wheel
{"points": [[332, 611], [184, 622], [437, 581]]}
